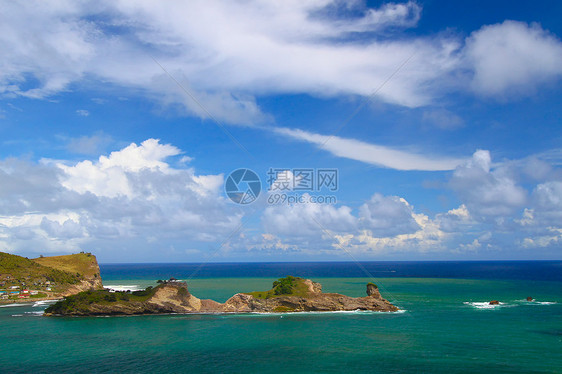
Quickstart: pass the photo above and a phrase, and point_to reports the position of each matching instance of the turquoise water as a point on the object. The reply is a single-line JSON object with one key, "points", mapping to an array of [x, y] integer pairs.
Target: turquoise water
{"points": [[442, 330]]}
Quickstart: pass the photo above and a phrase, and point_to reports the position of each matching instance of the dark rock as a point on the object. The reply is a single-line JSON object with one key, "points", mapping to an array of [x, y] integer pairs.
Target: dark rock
{"points": [[373, 290], [529, 298], [494, 302]]}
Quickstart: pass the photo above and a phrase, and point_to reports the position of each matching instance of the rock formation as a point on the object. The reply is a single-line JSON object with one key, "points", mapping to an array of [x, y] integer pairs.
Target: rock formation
{"points": [[302, 295]]}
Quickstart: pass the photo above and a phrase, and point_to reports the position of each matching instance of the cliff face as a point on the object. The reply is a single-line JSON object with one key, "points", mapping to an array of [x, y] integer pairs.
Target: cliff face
{"points": [[174, 297]]}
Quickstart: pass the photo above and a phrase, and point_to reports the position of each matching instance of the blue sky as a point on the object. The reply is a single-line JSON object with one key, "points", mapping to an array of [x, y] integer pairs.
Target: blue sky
{"points": [[442, 119]]}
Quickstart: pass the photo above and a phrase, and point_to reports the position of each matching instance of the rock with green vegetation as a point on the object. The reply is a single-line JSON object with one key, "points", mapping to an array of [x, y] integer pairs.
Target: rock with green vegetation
{"points": [[167, 297], [50, 277], [290, 294]]}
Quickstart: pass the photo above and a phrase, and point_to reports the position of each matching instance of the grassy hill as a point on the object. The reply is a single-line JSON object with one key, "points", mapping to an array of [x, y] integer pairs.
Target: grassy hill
{"points": [[83, 263], [49, 274]]}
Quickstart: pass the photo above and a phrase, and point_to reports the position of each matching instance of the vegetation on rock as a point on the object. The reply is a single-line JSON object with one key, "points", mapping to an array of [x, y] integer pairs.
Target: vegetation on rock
{"points": [[288, 286], [81, 301]]}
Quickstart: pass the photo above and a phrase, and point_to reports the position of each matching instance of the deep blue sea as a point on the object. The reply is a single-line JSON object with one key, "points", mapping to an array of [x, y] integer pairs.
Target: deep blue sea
{"points": [[445, 325]]}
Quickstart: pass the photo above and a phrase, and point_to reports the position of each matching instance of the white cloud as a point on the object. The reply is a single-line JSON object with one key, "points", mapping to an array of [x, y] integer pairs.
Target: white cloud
{"points": [[308, 219], [228, 53], [108, 177], [68, 229], [83, 112], [383, 224], [455, 219], [387, 216], [373, 154], [135, 200], [549, 195], [224, 52], [496, 215], [428, 238], [487, 191], [132, 195], [513, 57]]}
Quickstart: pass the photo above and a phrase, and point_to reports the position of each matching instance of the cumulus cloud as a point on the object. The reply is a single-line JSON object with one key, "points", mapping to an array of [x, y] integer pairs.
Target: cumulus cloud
{"points": [[383, 224], [486, 191], [136, 200], [373, 154], [427, 238], [512, 57], [499, 210], [130, 195], [388, 215], [455, 220], [108, 176], [309, 219]]}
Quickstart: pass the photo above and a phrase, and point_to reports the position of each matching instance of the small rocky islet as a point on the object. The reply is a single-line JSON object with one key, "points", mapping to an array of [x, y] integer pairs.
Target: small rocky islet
{"points": [[289, 294]]}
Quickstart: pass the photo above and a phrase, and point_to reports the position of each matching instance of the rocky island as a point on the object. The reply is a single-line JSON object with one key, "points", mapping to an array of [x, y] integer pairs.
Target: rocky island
{"points": [[290, 294]]}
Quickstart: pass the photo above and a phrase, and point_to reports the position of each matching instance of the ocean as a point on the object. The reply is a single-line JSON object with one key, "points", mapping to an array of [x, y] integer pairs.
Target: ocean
{"points": [[445, 325]]}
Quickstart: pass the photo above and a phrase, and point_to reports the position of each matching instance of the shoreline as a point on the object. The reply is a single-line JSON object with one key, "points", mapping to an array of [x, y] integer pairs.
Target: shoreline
{"points": [[357, 311], [28, 301]]}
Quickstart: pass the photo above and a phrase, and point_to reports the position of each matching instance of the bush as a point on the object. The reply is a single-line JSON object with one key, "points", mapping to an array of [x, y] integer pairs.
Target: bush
{"points": [[144, 292], [284, 286]]}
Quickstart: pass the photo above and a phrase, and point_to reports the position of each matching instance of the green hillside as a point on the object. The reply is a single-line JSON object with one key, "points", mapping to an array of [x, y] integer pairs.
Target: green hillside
{"points": [[48, 275]]}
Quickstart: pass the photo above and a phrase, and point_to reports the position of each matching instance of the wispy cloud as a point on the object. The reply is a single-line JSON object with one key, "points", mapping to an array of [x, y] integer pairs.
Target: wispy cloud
{"points": [[373, 154], [229, 53], [443, 119]]}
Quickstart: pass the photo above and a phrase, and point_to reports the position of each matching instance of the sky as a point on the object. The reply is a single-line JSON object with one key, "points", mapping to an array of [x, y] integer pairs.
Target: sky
{"points": [[440, 121]]}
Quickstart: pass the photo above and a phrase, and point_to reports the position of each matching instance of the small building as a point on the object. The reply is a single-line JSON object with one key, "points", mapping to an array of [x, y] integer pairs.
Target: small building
{"points": [[4, 296], [25, 291], [34, 292], [48, 288], [15, 287]]}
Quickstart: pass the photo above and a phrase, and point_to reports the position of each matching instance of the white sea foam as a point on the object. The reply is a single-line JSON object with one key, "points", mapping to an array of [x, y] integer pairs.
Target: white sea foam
{"points": [[486, 304], [36, 313], [44, 302], [14, 304], [264, 314], [482, 304]]}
